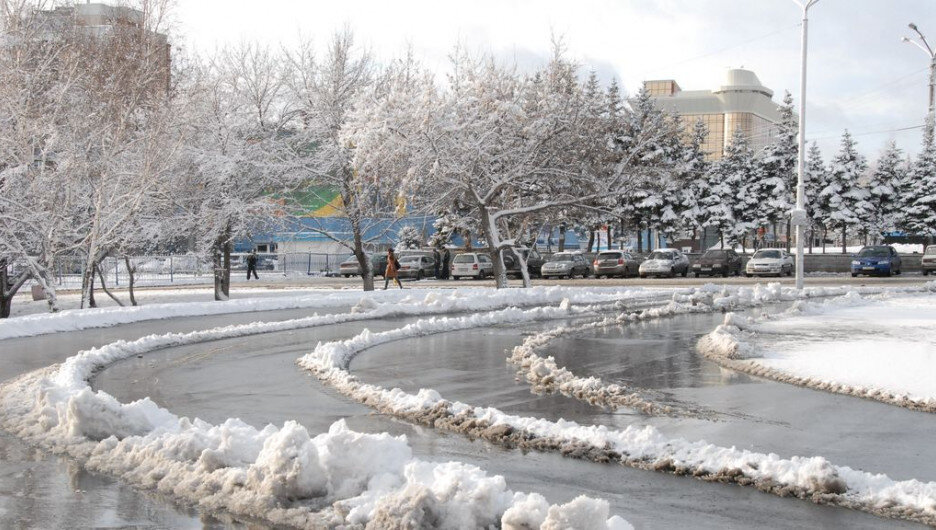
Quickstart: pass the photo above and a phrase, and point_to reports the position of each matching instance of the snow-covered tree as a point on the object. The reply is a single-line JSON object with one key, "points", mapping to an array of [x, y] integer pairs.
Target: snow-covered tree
{"points": [[845, 197], [409, 237], [816, 178], [883, 188], [731, 204], [776, 186], [921, 214]]}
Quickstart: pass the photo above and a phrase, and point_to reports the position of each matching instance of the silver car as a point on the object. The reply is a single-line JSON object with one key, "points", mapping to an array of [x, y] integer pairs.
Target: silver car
{"points": [[417, 267], [928, 263], [615, 263], [770, 261], [665, 262], [565, 265]]}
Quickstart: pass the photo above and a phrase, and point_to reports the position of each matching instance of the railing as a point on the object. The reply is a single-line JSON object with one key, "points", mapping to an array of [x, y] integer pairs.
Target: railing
{"points": [[157, 270]]}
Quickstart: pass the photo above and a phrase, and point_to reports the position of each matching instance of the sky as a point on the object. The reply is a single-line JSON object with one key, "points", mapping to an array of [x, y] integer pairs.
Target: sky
{"points": [[861, 76]]}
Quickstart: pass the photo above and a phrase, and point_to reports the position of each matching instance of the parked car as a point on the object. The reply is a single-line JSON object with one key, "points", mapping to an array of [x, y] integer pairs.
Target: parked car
{"points": [[714, 262], [472, 265], [877, 259], [350, 266], [615, 263], [665, 262], [533, 259], [416, 266], [565, 265], [928, 263], [770, 261]]}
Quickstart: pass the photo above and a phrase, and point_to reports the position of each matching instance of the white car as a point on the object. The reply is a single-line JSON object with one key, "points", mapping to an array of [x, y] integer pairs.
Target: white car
{"points": [[665, 262], [769, 262], [472, 265]]}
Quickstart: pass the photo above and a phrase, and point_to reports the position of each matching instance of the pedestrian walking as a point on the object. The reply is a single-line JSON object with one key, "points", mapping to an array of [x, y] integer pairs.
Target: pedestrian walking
{"points": [[437, 259], [252, 265], [391, 273]]}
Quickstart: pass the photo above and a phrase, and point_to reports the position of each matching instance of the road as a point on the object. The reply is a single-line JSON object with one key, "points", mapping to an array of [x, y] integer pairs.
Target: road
{"points": [[256, 379]]}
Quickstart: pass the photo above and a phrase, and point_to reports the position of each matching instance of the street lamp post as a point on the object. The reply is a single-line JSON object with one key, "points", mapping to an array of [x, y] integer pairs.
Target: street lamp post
{"points": [[928, 50], [799, 213]]}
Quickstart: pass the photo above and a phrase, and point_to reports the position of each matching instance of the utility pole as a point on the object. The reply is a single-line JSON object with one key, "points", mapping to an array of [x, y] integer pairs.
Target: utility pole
{"points": [[928, 50], [798, 215]]}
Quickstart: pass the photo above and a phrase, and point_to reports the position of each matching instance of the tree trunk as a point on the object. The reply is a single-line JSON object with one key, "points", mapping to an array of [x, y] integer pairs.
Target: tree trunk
{"points": [[639, 237], [524, 270], [87, 283], [131, 274], [9, 287], [367, 271], [721, 239], [844, 243], [494, 244], [789, 226], [609, 236], [591, 239], [104, 286], [221, 261], [562, 234], [824, 235], [622, 232]]}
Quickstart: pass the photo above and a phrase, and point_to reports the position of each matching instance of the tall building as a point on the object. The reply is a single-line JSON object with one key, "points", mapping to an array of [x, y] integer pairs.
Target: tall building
{"points": [[742, 101]]}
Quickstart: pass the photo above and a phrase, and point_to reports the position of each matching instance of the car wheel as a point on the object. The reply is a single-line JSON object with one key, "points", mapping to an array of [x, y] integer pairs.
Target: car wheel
{"points": [[854, 275], [725, 273], [925, 272], [888, 274], [455, 278], [643, 275], [418, 275], [747, 274], [347, 275], [899, 272]]}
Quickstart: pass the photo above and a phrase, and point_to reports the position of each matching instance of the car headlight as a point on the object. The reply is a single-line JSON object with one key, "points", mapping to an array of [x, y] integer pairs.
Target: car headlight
{"points": [[716, 266], [856, 262], [696, 266]]}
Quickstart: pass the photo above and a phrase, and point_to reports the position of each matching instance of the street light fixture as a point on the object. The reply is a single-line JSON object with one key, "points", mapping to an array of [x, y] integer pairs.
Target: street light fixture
{"points": [[798, 215], [928, 50]]}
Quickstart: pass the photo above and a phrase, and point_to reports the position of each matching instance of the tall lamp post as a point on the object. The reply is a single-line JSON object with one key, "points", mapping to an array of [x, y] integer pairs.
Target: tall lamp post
{"points": [[928, 50], [798, 215]]}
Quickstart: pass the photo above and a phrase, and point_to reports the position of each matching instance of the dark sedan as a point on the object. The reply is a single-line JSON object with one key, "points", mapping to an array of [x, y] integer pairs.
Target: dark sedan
{"points": [[877, 259], [718, 262]]}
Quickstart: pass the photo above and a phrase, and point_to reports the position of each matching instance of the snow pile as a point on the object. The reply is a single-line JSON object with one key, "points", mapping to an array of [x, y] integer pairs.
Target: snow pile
{"points": [[427, 300], [282, 475], [878, 347], [643, 447], [544, 375]]}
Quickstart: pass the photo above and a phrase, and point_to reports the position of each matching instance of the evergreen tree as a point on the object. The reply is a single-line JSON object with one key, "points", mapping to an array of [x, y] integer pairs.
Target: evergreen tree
{"points": [[883, 185], [816, 178], [693, 171], [776, 186], [847, 200], [921, 215], [739, 173]]}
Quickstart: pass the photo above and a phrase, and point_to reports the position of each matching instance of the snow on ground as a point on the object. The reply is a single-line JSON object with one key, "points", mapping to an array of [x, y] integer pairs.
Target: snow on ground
{"points": [[902, 248], [880, 348], [279, 474], [644, 447], [429, 300]]}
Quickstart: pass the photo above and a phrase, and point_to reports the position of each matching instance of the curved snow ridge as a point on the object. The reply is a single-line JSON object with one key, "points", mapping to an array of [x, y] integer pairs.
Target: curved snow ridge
{"points": [[545, 376], [814, 478], [732, 346], [338, 354], [282, 474], [433, 299]]}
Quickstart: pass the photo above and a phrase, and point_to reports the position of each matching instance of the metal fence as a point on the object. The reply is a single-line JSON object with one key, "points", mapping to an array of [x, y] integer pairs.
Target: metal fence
{"points": [[156, 270]]}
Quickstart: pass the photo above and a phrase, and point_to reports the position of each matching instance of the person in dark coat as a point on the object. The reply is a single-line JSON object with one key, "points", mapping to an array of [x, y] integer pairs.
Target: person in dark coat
{"points": [[437, 258], [252, 265], [446, 260], [391, 273]]}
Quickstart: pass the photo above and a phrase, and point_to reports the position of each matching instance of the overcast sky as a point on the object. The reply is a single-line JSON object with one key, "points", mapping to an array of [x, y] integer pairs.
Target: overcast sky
{"points": [[861, 76]]}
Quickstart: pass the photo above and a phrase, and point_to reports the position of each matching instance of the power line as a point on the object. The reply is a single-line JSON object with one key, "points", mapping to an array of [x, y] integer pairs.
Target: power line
{"points": [[720, 50], [868, 133]]}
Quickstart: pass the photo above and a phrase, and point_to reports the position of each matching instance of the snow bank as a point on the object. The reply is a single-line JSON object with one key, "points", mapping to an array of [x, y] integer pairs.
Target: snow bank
{"points": [[877, 348], [544, 375], [283, 475], [464, 299], [643, 447]]}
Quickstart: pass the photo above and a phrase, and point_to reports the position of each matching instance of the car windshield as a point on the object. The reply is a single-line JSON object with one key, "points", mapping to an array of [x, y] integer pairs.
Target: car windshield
{"points": [[874, 253], [662, 255], [561, 257], [464, 258], [930, 250], [409, 259], [351, 259], [767, 254], [715, 254], [609, 255]]}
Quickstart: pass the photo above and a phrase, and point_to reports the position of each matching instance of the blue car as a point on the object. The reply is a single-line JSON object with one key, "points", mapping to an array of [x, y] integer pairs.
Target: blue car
{"points": [[877, 259]]}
